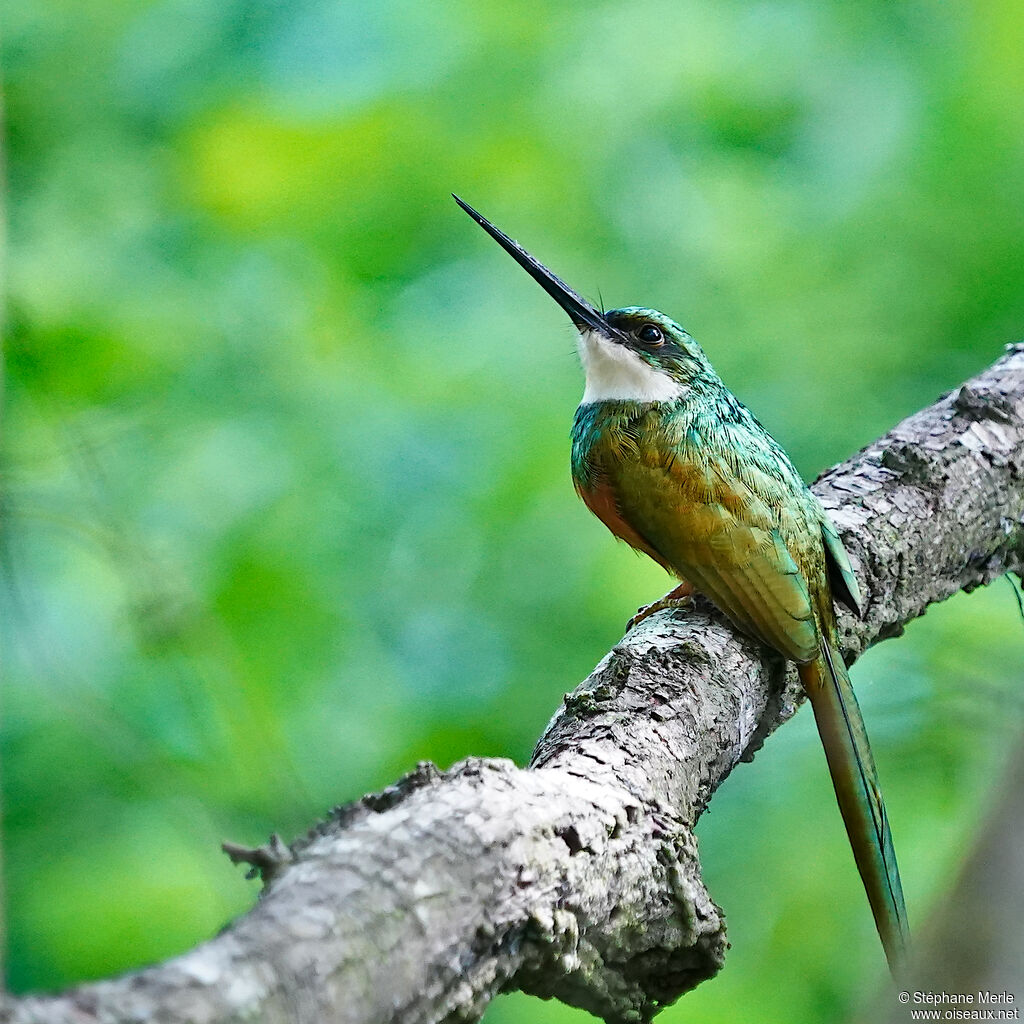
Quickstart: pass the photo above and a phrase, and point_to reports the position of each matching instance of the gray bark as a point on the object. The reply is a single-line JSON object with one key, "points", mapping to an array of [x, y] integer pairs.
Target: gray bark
{"points": [[578, 877]]}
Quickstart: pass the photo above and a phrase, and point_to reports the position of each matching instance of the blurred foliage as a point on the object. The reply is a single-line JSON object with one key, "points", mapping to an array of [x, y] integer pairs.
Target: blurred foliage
{"points": [[286, 502]]}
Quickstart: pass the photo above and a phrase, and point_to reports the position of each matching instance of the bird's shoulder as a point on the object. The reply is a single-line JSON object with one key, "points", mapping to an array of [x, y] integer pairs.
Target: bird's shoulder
{"points": [[719, 453]]}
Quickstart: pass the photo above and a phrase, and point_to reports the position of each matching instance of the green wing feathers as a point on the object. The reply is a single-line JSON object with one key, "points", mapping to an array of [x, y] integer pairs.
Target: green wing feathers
{"points": [[729, 535], [844, 583], [759, 586], [852, 768]]}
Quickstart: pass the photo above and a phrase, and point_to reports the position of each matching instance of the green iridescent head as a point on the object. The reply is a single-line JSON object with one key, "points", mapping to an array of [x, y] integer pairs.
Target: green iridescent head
{"points": [[630, 354], [656, 338]]}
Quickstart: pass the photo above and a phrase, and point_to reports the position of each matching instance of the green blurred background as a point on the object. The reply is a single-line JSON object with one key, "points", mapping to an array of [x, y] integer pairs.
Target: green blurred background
{"points": [[286, 502]]}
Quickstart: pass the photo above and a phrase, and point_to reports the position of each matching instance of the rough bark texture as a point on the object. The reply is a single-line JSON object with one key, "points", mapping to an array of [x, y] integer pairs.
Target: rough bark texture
{"points": [[578, 877]]}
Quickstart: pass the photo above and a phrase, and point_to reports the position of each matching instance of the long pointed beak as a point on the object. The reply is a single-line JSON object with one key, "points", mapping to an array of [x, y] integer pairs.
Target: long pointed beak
{"points": [[581, 312]]}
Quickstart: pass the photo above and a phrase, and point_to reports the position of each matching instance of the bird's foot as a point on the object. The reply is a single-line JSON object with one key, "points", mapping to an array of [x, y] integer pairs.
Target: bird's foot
{"points": [[681, 597]]}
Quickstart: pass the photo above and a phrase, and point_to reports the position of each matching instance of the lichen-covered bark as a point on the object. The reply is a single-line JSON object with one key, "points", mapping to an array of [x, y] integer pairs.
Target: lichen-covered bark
{"points": [[578, 877]]}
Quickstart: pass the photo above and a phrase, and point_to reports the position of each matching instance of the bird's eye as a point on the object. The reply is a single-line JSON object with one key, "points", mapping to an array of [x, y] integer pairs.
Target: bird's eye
{"points": [[651, 334]]}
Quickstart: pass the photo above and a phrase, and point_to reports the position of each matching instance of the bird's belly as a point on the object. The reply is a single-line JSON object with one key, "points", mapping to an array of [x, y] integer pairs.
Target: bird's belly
{"points": [[679, 512]]}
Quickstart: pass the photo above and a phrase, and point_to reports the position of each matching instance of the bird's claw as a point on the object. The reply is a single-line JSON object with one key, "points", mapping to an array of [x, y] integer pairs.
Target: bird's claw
{"points": [[668, 601]]}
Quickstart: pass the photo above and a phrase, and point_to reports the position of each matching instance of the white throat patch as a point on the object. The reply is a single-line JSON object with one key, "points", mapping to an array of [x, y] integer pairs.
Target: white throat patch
{"points": [[613, 373]]}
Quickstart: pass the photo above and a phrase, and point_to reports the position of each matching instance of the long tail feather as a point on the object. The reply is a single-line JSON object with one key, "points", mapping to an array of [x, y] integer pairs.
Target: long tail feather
{"points": [[852, 768]]}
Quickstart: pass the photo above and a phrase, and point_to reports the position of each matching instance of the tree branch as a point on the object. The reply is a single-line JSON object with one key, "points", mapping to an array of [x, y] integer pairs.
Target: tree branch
{"points": [[578, 877]]}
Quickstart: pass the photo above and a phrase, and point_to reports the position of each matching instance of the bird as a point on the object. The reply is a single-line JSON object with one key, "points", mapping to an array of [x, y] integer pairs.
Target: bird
{"points": [[676, 466]]}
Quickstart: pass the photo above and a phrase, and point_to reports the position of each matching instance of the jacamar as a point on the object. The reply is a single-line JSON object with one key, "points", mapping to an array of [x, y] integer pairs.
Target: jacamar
{"points": [[675, 465]]}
